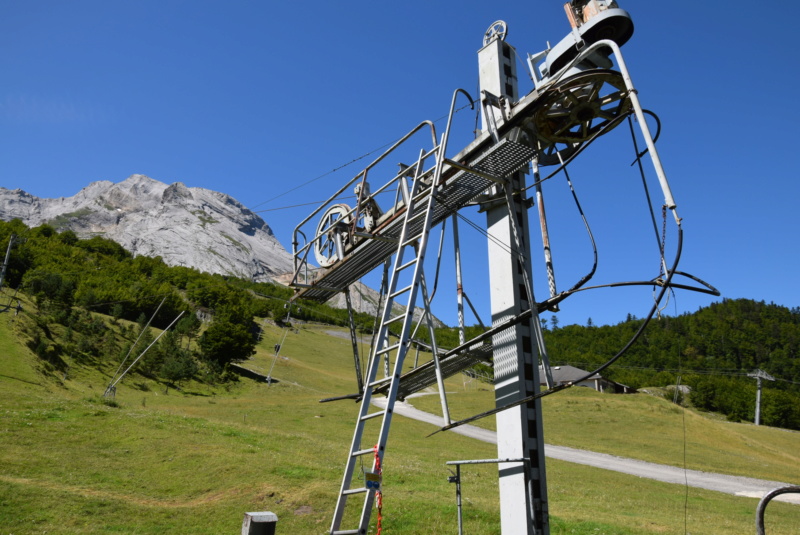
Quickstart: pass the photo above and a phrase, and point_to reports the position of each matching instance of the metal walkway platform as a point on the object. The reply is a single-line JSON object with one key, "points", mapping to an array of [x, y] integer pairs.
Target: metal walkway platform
{"points": [[459, 187], [424, 376]]}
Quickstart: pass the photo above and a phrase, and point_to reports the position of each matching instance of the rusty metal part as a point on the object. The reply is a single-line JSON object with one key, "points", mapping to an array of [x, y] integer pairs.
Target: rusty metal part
{"points": [[581, 106]]}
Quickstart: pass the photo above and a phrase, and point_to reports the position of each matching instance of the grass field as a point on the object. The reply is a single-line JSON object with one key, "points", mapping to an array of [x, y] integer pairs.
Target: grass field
{"points": [[156, 461]]}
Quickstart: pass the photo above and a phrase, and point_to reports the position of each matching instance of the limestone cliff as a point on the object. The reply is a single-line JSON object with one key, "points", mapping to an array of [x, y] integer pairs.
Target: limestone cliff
{"points": [[193, 227]]}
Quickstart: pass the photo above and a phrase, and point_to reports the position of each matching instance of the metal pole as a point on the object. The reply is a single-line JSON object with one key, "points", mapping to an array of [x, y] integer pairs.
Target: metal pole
{"points": [[434, 350], [354, 339], [458, 500], [459, 285], [523, 486], [648, 138], [457, 480], [758, 400], [548, 255], [758, 375], [762, 505], [5, 263]]}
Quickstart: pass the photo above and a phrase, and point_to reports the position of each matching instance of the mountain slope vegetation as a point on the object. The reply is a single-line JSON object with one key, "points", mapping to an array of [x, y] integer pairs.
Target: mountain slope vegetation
{"points": [[156, 461], [72, 281], [712, 351]]}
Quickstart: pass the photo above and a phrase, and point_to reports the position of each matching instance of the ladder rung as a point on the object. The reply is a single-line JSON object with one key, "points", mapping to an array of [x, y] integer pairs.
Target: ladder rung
{"points": [[419, 214], [347, 532], [380, 382], [412, 241], [359, 453], [406, 265], [360, 490], [388, 349], [399, 292], [373, 415], [392, 320]]}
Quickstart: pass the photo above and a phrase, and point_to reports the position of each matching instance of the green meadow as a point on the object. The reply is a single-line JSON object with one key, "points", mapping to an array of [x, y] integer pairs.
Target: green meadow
{"points": [[158, 460]]}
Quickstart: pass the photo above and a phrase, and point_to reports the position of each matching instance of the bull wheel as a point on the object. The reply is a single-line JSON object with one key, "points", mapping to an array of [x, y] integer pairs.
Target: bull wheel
{"points": [[331, 233], [581, 106]]}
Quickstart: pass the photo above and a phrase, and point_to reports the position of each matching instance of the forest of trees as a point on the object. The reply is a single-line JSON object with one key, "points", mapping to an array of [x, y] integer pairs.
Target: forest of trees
{"points": [[712, 350], [70, 280]]}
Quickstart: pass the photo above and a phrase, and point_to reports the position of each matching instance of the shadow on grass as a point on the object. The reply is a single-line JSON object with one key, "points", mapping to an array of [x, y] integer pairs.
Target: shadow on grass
{"points": [[20, 380], [196, 394]]}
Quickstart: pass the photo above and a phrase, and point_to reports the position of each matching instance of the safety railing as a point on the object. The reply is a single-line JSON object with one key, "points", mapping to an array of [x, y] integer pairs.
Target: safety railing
{"points": [[762, 505], [301, 252]]}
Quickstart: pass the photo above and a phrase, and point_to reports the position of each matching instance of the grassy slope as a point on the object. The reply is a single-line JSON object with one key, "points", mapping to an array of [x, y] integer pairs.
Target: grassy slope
{"points": [[194, 462]]}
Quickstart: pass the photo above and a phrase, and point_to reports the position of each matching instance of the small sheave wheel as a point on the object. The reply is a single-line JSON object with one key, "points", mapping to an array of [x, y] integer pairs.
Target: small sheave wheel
{"points": [[581, 106], [498, 30], [332, 234]]}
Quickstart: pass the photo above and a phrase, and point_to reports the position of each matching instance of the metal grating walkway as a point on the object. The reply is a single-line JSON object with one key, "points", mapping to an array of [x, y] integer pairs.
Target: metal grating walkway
{"points": [[458, 189], [424, 376]]}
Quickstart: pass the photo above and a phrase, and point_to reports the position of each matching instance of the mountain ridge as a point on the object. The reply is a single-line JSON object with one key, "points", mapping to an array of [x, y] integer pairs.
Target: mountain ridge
{"points": [[197, 227], [185, 226]]}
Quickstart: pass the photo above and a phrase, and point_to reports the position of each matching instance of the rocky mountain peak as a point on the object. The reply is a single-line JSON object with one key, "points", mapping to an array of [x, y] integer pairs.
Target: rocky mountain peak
{"points": [[176, 193], [193, 227]]}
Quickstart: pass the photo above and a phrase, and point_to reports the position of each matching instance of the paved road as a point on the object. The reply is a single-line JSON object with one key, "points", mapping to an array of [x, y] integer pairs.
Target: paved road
{"points": [[737, 486]]}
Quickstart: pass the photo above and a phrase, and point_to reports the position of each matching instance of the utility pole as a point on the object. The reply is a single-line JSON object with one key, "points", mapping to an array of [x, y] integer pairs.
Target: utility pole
{"points": [[5, 263], [758, 375]]}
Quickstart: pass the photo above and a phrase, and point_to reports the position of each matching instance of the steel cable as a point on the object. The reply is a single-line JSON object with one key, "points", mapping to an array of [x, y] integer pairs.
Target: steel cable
{"points": [[603, 367]]}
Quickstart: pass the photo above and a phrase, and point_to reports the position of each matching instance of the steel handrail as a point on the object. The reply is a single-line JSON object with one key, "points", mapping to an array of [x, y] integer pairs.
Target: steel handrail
{"points": [[306, 249], [762, 504], [362, 175], [638, 111]]}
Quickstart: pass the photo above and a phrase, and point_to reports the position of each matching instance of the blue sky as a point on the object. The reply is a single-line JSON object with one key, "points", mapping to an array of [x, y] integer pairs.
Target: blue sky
{"points": [[256, 98]]}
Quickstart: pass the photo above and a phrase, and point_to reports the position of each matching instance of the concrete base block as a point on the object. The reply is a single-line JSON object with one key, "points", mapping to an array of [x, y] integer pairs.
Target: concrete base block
{"points": [[259, 523]]}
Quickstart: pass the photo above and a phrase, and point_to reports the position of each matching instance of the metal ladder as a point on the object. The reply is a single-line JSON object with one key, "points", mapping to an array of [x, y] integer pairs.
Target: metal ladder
{"points": [[420, 206]]}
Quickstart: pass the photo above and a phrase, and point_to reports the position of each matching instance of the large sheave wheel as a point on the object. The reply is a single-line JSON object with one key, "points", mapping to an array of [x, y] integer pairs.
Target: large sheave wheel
{"points": [[331, 235], [581, 106]]}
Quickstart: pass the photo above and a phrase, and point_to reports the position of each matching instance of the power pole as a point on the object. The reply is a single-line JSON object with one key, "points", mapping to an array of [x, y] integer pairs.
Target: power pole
{"points": [[5, 263], [758, 375]]}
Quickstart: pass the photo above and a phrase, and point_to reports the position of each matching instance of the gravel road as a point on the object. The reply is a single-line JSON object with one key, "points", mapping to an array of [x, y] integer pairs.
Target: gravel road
{"points": [[737, 486]]}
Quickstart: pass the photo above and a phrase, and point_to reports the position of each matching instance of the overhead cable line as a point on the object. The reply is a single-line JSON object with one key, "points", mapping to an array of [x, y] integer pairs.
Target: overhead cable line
{"points": [[601, 368], [665, 285], [112, 387], [605, 128], [339, 168]]}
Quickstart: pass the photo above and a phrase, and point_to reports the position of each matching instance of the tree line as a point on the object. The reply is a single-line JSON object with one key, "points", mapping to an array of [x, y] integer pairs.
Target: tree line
{"points": [[84, 289], [712, 350]]}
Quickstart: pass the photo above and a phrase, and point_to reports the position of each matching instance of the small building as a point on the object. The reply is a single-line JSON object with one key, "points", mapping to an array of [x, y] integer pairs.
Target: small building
{"points": [[571, 374]]}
